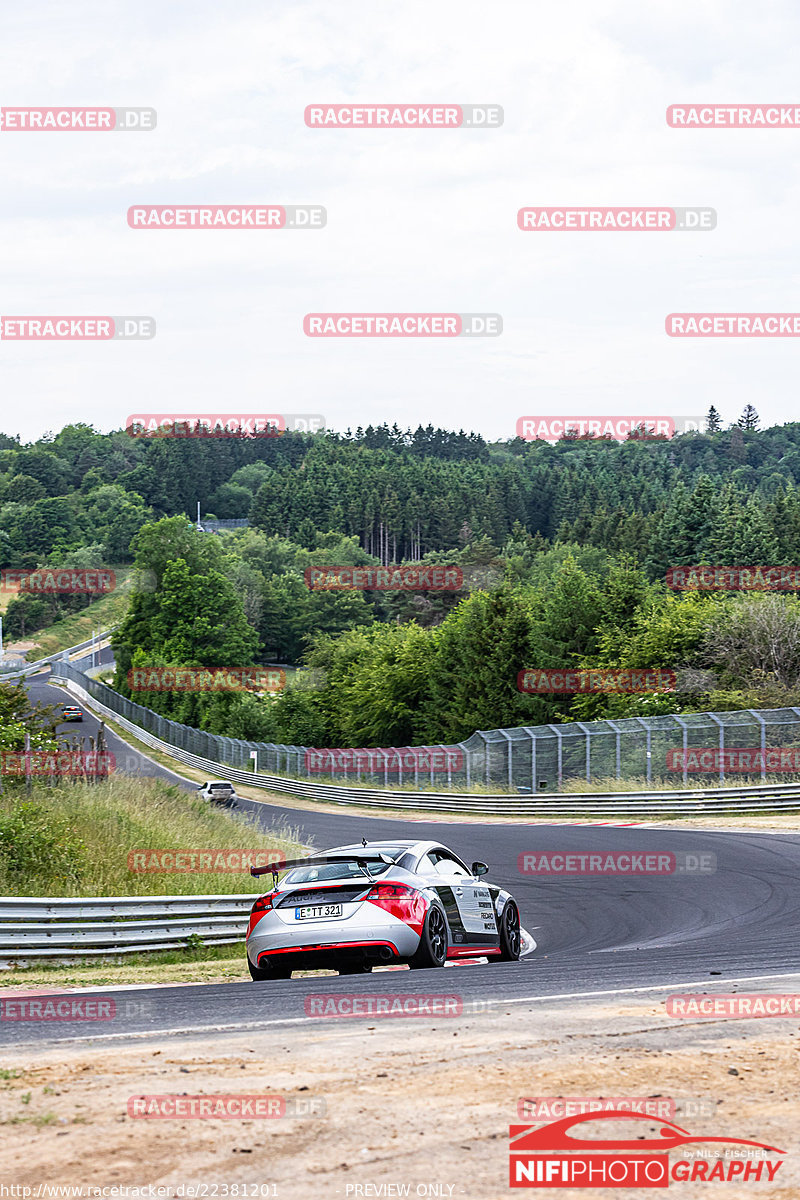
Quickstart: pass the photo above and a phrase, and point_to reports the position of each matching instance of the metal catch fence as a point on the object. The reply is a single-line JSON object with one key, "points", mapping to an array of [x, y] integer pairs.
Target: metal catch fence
{"points": [[696, 747]]}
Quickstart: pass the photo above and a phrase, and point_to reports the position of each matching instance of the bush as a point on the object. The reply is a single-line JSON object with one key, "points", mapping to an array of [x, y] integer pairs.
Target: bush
{"points": [[38, 850]]}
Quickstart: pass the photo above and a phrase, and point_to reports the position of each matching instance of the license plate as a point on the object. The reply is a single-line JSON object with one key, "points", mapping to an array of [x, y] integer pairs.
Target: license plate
{"points": [[313, 911]]}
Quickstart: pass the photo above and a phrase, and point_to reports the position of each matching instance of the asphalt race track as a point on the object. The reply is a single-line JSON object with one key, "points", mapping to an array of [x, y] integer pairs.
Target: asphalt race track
{"points": [[595, 935]]}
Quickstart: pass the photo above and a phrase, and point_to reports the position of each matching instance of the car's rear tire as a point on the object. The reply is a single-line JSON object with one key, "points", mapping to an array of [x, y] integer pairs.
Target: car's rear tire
{"points": [[432, 949], [356, 969], [509, 933], [278, 971]]}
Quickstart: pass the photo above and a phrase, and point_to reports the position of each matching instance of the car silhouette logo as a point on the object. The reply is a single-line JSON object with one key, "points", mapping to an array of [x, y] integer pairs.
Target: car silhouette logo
{"points": [[556, 1136]]}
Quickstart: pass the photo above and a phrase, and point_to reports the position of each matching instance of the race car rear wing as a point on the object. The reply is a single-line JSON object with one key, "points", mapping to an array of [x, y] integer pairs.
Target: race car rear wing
{"points": [[361, 859]]}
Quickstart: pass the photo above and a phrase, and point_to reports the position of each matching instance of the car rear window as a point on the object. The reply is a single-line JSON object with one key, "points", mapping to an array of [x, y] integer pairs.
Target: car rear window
{"points": [[338, 870]]}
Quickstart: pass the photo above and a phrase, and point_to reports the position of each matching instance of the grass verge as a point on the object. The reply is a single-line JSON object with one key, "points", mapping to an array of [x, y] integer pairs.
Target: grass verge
{"points": [[211, 964], [76, 628], [74, 839]]}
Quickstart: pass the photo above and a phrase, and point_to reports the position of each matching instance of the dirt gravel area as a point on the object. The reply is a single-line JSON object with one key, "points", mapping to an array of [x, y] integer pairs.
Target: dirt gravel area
{"points": [[422, 1105]]}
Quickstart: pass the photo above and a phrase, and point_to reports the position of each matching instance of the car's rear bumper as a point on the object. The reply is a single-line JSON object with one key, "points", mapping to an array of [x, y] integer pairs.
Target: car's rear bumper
{"points": [[323, 943], [308, 958]]}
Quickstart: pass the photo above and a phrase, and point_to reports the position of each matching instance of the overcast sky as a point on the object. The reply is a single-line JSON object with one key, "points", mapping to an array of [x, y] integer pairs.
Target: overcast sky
{"points": [[417, 220]]}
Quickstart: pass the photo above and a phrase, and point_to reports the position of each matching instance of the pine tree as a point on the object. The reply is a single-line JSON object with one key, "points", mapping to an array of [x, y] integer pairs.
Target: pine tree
{"points": [[713, 421], [749, 418]]}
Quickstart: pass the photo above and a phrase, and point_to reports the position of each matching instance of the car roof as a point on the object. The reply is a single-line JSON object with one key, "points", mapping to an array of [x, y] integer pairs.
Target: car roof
{"points": [[406, 844]]}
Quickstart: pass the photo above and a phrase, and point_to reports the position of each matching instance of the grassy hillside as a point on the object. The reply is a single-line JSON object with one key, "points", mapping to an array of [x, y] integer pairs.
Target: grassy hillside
{"points": [[72, 630], [74, 839]]}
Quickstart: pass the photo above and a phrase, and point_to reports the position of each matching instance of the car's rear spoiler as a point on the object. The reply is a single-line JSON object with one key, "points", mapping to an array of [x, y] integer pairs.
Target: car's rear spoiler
{"points": [[321, 859]]}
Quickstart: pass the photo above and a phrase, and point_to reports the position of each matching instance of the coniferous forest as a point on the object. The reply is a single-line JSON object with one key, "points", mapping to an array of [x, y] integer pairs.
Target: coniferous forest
{"points": [[563, 549]]}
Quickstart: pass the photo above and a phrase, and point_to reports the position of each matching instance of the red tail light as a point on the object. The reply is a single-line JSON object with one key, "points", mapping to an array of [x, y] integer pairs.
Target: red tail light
{"points": [[402, 901], [262, 905]]}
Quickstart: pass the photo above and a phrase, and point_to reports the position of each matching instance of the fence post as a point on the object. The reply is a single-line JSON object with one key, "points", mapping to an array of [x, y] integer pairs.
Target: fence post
{"points": [[649, 744], [685, 729], [717, 721], [588, 736], [509, 756], [763, 725], [618, 733], [560, 737], [532, 736]]}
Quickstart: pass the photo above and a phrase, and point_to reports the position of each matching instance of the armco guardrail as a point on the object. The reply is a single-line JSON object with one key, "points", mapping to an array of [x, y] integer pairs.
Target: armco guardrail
{"points": [[61, 655], [771, 798], [530, 758], [35, 928]]}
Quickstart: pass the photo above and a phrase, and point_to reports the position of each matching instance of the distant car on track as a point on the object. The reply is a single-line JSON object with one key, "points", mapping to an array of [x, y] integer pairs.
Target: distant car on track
{"points": [[218, 791], [71, 713], [355, 907]]}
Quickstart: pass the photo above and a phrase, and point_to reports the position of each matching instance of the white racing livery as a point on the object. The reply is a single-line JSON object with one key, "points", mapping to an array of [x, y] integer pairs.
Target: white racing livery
{"points": [[355, 907]]}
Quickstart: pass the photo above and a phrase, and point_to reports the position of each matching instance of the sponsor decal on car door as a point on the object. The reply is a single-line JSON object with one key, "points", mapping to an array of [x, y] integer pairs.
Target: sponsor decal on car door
{"points": [[477, 912], [470, 912]]}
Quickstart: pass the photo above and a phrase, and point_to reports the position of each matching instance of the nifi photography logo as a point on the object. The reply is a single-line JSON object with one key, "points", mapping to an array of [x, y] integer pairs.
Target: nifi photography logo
{"points": [[552, 1156]]}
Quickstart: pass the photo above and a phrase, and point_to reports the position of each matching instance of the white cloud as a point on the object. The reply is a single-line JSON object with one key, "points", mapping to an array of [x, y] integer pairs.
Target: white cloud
{"points": [[417, 220]]}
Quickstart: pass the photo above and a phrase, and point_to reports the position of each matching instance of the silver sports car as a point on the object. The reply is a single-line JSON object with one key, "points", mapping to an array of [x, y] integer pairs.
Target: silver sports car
{"points": [[355, 907]]}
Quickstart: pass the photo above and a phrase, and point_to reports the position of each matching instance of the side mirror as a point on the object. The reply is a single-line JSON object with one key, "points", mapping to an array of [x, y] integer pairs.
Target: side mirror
{"points": [[479, 868]]}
